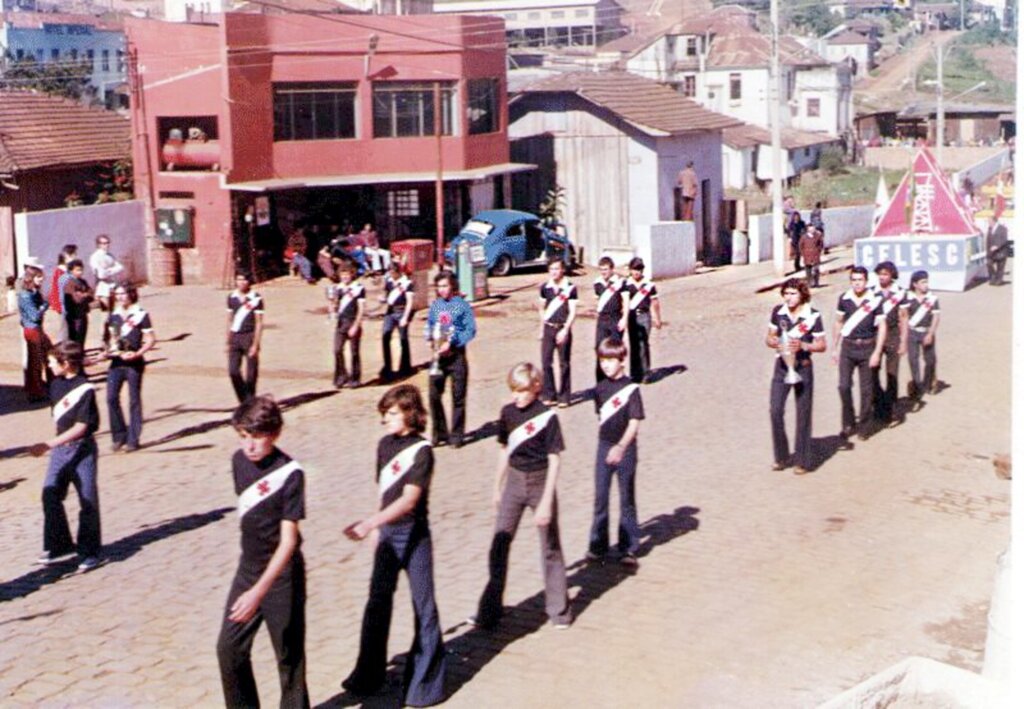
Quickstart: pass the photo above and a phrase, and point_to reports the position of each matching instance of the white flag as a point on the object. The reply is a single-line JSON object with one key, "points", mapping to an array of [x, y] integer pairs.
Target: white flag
{"points": [[881, 198]]}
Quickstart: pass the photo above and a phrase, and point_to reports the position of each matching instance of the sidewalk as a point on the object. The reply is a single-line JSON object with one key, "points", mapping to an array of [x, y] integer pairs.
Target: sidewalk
{"points": [[755, 588]]}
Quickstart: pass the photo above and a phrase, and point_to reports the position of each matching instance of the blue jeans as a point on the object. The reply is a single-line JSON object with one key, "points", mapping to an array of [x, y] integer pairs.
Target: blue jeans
{"points": [[116, 378], [629, 528], [72, 464], [305, 267]]}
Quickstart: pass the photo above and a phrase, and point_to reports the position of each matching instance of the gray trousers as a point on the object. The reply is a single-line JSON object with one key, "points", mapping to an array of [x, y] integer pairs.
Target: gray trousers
{"points": [[522, 490], [916, 349], [855, 356]]}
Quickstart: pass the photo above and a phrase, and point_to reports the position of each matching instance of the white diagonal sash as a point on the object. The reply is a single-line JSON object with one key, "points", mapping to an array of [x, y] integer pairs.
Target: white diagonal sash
{"points": [[128, 323], [264, 487], [69, 400], [345, 300], [398, 466], [249, 304], [397, 290], [923, 309], [528, 429], [640, 295], [610, 291], [854, 320], [610, 407], [892, 300], [802, 326], [555, 304]]}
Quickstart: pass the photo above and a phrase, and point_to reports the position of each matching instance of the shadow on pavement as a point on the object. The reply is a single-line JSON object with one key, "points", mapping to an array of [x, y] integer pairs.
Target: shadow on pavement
{"points": [[822, 449], [14, 452], [13, 400], [117, 551], [470, 652], [11, 484], [32, 616], [659, 373], [177, 338]]}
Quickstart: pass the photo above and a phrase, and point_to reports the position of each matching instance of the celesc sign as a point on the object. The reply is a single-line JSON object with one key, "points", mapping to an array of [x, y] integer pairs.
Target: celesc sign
{"points": [[918, 253]]}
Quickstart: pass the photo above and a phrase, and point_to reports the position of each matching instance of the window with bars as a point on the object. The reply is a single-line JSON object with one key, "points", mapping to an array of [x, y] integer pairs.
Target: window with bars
{"points": [[483, 106], [402, 110], [403, 203], [314, 111]]}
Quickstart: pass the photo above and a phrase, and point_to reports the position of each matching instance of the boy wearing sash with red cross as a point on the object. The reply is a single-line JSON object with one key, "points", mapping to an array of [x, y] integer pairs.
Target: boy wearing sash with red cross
{"points": [[270, 584], [612, 307], [557, 308], [795, 330], [349, 308], [894, 308], [245, 330], [405, 465], [620, 409], [128, 336], [398, 295], [72, 461], [858, 337], [643, 304], [528, 464], [922, 324]]}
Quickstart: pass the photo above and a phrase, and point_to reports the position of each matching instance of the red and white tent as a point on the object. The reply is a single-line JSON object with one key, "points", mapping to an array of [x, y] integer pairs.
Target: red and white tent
{"points": [[925, 204]]}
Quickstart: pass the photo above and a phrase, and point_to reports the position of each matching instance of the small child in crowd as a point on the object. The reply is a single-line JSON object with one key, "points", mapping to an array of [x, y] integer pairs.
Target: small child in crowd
{"points": [[270, 583], [528, 462]]}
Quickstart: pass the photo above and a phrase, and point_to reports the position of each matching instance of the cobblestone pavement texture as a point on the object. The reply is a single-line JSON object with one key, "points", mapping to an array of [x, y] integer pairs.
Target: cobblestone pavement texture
{"points": [[755, 588]]}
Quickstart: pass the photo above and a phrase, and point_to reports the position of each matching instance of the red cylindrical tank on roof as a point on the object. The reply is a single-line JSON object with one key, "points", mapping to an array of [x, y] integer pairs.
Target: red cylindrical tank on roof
{"points": [[191, 154]]}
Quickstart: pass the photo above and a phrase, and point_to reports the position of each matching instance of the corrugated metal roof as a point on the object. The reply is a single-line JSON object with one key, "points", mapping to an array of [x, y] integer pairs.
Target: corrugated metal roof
{"points": [[642, 102], [37, 130]]}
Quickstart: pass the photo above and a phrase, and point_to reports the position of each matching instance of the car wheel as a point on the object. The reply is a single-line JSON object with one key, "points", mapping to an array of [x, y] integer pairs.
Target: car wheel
{"points": [[503, 266]]}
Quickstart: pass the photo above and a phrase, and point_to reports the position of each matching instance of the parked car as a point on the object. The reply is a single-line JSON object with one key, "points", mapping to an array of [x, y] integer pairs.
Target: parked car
{"points": [[512, 239]]}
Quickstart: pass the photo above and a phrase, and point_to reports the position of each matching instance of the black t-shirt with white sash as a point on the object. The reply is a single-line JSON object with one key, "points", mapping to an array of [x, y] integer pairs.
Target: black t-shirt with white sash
{"points": [[269, 491], [556, 297], [396, 293], [609, 297], [404, 460], [616, 402], [74, 401], [804, 325], [860, 316], [641, 294], [921, 310], [243, 308], [530, 435], [892, 300], [348, 301], [129, 326]]}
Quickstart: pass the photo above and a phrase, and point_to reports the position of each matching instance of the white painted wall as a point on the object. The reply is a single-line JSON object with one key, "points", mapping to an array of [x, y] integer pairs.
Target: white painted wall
{"points": [[705, 150], [828, 85], [861, 53], [983, 171], [43, 234], [842, 226], [669, 249], [642, 171]]}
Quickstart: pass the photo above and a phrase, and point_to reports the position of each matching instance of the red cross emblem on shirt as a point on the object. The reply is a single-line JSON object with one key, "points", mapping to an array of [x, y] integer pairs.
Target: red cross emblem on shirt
{"points": [[802, 327], [530, 428], [263, 488], [616, 402], [395, 467], [67, 404], [251, 304], [563, 297], [866, 307], [445, 318], [927, 305]]}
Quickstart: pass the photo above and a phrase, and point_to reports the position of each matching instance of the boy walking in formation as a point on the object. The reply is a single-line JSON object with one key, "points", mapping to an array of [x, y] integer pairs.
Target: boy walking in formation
{"points": [[858, 337], [894, 309], [922, 324], [405, 465], [451, 326], [128, 336], [270, 583], [349, 307], [245, 330], [612, 306], [557, 308], [620, 409], [73, 457], [528, 464], [398, 295], [644, 311]]}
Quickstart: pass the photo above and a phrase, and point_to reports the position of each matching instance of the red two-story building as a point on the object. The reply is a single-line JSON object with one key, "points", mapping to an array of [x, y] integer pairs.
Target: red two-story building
{"points": [[260, 124]]}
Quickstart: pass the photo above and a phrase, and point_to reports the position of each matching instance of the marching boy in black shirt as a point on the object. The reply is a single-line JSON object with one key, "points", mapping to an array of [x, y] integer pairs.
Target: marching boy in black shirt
{"points": [[557, 308], [270, 583], [405, 464], [398, 295], [351, 301], [245, 330], [620, 410], [531, 441], [72, 461]]}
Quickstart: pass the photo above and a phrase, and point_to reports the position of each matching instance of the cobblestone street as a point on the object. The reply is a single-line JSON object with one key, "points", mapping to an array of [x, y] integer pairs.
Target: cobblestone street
{"points": [[755, 588]]}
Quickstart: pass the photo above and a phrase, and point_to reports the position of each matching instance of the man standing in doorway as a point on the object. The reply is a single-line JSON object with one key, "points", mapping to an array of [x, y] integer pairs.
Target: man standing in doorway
{"points": [[687, 184]]}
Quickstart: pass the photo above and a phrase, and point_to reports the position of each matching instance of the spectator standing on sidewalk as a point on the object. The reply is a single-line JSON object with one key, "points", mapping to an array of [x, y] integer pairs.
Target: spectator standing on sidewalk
{"points": [[922, 324], [858, 337], [31, 309], [245, 330], [451, 326], [687, 183], [795, 330], [401, 542], [78, 298], [812, 244], [795, 228], [528, 465], [57, 283], [105, 269]]}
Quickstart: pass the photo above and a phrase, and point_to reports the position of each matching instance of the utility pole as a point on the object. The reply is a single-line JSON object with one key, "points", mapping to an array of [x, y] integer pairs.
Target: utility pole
{"points": [[775, 114], [439, 182], [940, 112]]}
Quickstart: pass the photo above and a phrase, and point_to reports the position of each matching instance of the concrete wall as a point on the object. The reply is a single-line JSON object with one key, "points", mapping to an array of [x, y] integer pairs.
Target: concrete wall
{"points": [[43, 234], [669, 249], [842, 226], [953, 158], [983, 170]]}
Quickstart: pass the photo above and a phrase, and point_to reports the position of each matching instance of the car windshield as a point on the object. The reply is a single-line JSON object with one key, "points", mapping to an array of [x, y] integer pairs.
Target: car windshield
{"points": [[475, 226]]}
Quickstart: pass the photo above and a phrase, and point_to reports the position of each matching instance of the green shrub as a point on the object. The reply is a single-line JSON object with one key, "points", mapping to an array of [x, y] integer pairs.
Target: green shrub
{"points": [[832, 160]]}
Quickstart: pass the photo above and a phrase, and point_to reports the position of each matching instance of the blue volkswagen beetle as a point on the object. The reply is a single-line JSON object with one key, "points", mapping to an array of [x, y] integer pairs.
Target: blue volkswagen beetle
{"points": [[512, 239]]}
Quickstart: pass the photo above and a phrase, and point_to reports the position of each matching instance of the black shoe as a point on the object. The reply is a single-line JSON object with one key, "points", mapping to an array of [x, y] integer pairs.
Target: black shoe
{"points": [[131, 447], [457, 443], [438, 442], [629, 560], [358, 688], [352, 384], [847, 433]]}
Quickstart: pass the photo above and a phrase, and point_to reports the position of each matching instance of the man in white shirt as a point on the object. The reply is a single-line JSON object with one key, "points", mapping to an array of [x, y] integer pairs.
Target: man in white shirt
{"points": [[106, 269]]}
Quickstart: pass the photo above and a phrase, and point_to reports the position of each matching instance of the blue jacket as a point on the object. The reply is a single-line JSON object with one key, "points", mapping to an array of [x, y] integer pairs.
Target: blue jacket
{"points": [[457, 310]]}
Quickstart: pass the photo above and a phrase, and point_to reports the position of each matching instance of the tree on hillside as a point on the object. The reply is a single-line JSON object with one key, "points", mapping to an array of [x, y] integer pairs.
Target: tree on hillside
{"points": [[64, 78], [816, 19]]}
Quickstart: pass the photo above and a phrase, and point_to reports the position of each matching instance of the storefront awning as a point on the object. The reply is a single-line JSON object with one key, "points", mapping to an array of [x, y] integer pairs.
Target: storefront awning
{"points": [[292, 183]]}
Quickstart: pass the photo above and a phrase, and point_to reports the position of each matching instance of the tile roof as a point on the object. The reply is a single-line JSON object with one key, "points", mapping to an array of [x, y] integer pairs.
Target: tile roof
{"points": [[35, 20], [37, 130], [646, 104], [743, 47], [849, 37], [747, 136]]}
